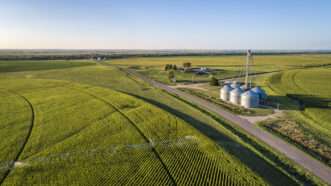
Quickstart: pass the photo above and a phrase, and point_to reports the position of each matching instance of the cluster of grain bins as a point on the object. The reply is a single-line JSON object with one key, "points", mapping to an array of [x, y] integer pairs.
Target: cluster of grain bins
{"points": [[240, 95], [243, 95]]}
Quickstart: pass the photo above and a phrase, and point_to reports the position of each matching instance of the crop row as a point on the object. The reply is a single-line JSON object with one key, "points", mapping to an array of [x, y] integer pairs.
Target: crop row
{"points": [[189, 164], [68, 120], [84, 135]]}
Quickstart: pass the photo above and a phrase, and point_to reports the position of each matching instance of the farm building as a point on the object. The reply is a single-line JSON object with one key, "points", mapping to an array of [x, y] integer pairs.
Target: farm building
{"points": [[200, 71]]}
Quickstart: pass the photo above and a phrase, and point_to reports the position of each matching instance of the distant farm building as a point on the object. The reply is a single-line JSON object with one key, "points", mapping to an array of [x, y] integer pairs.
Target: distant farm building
{"points": [[198, 71], [98, 58]]}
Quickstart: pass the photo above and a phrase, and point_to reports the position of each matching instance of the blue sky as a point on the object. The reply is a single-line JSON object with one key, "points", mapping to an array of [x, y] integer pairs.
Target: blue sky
{"points": [[166, 24]]}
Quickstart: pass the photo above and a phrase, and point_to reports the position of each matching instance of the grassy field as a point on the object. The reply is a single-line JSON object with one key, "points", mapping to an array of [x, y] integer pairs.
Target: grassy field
{"points": [[15, 66], [269, 62], [157, 73], [228, 66], [305, 95], [310, 89], [100, 118]]}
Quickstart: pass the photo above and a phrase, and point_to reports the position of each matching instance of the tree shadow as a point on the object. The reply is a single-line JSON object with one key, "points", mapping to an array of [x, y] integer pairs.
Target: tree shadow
{"points": [[257, 164]]}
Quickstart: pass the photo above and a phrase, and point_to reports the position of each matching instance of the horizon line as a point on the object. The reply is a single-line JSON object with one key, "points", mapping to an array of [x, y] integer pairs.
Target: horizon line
{"points": [[165, 49]]}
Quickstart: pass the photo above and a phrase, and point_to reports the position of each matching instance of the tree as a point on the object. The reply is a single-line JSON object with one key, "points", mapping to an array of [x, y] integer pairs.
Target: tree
{"points": [[213, 81], [171, 76], [166, 67], [174, 67], [187, 65]]}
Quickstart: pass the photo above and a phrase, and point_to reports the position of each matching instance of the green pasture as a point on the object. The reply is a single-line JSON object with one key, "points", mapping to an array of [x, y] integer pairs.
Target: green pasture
{"points": [[310, 90], [157, 73], [304, 95]]}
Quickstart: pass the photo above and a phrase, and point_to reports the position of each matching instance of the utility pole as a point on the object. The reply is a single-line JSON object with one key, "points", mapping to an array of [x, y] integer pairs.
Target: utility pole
{"points": [[248, 58]]}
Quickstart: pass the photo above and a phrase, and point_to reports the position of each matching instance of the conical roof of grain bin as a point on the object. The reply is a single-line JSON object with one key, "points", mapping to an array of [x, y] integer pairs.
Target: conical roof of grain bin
{"points": [[235, 84], [227, 82], [243, 87]]}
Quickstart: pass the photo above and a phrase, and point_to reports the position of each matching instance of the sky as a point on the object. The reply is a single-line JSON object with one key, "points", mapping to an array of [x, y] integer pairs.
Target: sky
{"points": [[165, 24]]}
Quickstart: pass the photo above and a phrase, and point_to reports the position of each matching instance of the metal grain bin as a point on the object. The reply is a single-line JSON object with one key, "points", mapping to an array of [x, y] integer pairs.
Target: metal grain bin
{"points": [[260, 92], [225, 92], [235, 95], [249, 99], [235, 84]]}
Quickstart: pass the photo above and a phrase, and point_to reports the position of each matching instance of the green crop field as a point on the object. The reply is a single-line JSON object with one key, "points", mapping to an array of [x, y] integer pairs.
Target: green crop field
{"points": [[306, 96], [15, 123], [270, 61], [79, 128], [311, 87], [97, 125], [15, 66]]}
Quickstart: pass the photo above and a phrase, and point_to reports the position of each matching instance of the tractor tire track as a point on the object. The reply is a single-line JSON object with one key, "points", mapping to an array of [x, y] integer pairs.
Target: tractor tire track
{"points": [[136, 127], [12, 164]]}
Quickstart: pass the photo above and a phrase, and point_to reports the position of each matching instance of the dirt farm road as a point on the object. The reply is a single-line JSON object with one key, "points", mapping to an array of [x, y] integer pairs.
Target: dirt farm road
{"points": [[316, 167]]}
